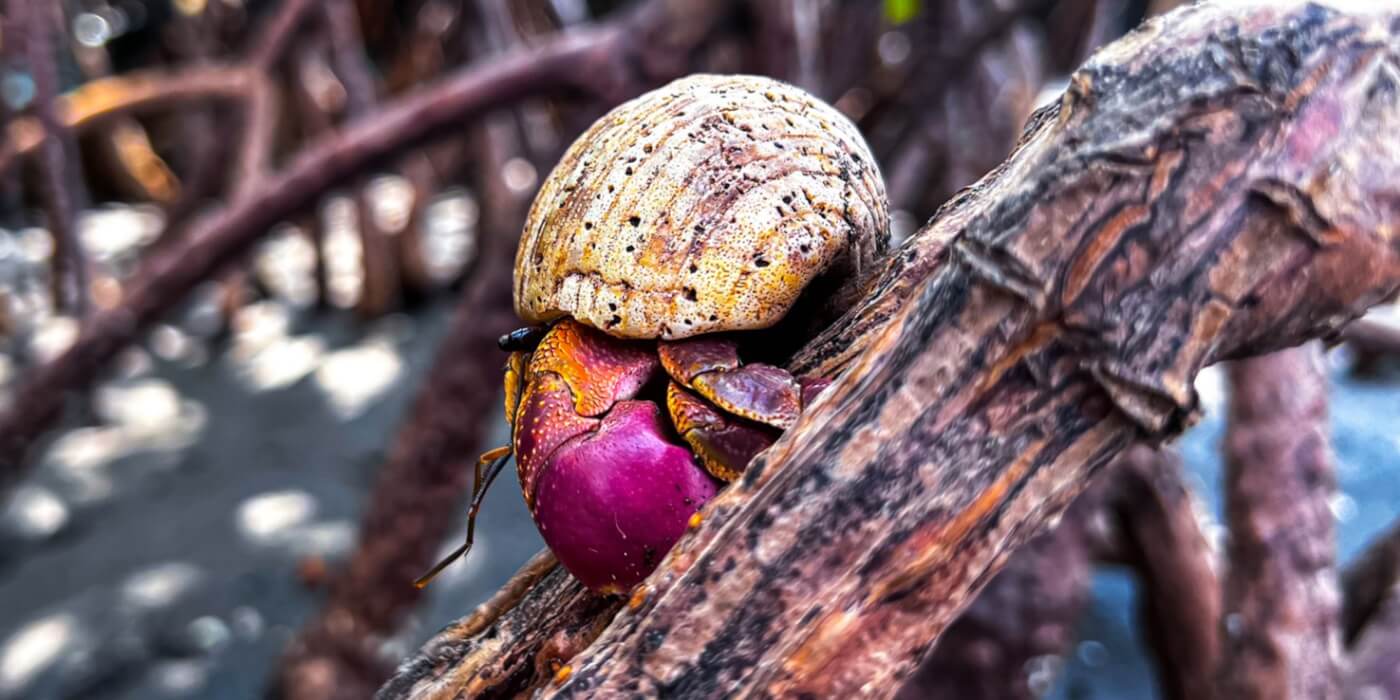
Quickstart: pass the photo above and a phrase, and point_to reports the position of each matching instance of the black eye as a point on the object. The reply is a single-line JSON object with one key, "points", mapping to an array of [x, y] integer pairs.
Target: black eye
{"points": [[522, 339]]}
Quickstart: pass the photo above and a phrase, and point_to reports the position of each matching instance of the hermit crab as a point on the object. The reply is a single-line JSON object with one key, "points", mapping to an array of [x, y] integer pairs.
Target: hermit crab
{"points": [[676, 228]]}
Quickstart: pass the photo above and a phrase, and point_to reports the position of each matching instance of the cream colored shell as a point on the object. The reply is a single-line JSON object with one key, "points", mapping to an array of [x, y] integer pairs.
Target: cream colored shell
{"points": [[706, 205]]}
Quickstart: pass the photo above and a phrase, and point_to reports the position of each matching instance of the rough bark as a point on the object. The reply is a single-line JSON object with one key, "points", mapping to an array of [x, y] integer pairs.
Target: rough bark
{"points": [[1219, 184], [1283, 638], [1030, 610], [503, 652]]}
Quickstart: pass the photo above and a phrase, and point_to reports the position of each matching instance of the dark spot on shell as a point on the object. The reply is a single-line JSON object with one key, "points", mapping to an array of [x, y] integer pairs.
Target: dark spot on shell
{"points": [[646, 148], [628, 170], [614, 321], [694, 267], [690, 295], [611, 188], [635, 221], [612, 306], [588, 225], [787, 199], [631, 249], [760, 262]]}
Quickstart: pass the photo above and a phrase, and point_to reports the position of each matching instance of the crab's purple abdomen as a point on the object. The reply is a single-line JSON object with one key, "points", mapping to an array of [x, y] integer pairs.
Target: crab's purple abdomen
{"points": [[611, 503]]}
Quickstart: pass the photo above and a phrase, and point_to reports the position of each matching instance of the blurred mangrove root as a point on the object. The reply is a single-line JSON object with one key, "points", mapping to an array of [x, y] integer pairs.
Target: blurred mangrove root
{"points": [[1219, 184], [1283, 638], [611, 60]]}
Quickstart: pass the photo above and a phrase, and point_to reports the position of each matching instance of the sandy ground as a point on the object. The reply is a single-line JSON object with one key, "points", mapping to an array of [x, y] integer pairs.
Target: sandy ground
{"points": [[155, 556]]}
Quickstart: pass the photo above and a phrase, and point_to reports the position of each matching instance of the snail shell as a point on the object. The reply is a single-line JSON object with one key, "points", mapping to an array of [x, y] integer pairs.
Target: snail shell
{"points": [[706, 205]]}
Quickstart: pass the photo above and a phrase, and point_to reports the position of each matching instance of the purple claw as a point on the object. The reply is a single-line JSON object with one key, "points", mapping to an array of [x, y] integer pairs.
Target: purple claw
{"points": [[611, 503]]}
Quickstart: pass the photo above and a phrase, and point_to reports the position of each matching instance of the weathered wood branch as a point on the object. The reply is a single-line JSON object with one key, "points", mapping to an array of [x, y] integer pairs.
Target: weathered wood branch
{"points": [[1030, 610], [1179, 599], [1281, 595], [1219, 184]]}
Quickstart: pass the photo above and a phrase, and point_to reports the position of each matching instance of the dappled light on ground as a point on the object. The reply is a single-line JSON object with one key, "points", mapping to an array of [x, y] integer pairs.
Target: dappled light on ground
{"points": [[33, 648]]}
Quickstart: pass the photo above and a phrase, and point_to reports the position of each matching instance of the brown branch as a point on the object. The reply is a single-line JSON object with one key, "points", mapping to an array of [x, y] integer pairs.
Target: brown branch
{"points": [[1374, 345], [1281, 596], [520, 648], [1367, 583], [1166, 214], [270, 41], [1029, 610], [58, 163], [379, 291], [613, 60], [99, 100], [1180, 592], [1372, 671]]}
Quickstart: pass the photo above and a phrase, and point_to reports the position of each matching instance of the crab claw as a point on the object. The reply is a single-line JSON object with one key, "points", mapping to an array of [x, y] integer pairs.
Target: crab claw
{"points": [[711, 367], [724, 445], [573, 377], [610, 503]]}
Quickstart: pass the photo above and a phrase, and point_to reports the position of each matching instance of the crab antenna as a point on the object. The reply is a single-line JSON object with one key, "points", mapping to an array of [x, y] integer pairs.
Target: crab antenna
{"points": [[498, 459]]}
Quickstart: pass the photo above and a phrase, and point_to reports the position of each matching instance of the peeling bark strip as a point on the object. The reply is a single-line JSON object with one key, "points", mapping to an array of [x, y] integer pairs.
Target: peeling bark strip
{"points": [[1219, 184], [1283, 635]]}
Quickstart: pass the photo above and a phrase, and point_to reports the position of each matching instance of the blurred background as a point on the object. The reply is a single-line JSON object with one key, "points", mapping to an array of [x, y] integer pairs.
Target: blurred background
{"points": [[192, 512]]}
